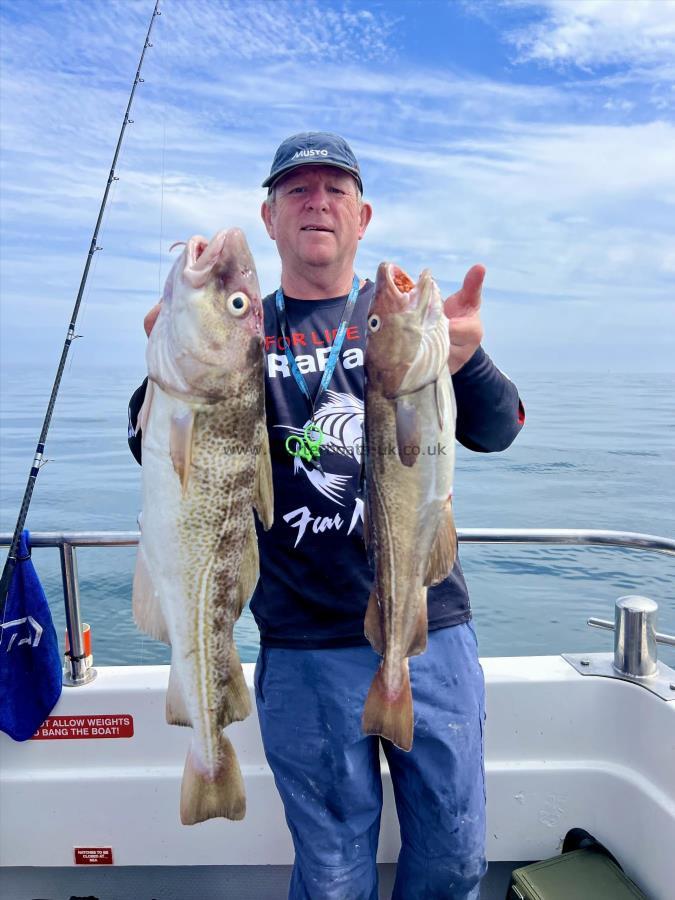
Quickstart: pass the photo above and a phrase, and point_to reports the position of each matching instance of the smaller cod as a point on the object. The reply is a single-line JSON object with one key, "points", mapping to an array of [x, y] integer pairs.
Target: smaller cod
{"points": [[409, 528], [206, 465]]}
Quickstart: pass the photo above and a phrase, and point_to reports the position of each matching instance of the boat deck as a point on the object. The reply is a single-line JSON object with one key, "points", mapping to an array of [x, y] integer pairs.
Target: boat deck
{"points": [[190, 883]]}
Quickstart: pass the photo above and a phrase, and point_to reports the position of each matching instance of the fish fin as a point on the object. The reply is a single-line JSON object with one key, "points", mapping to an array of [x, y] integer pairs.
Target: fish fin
{"points": [[145, 604], [366, 530], [180, 443], [146, 406], [204, 796], [235, 702], [361, 483], [418, 639], [263, 497], [176, 710], [373, 624], [249, 569], [408, 433], [444, 549], [390, 715]]}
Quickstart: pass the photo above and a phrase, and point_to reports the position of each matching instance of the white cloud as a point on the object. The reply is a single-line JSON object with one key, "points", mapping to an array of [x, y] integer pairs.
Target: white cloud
{"points": [[199, 35], [589, 33]]}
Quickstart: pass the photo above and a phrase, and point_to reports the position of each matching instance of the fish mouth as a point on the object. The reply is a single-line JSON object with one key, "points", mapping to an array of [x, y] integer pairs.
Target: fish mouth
{"points": [[401, 294], [398, 279], [226, 259], [201, 256]]}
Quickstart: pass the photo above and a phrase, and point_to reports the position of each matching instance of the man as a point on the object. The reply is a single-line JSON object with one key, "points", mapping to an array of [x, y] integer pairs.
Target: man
{"points": [[315, 665]]}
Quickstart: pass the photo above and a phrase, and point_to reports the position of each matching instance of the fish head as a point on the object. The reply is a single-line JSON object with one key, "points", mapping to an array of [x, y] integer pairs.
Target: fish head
{"points": [[401, 315], [211, 319]]}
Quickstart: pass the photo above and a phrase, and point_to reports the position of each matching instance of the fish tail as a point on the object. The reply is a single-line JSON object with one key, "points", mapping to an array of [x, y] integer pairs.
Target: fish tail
{"points": [[207, 795], [390, 713]]}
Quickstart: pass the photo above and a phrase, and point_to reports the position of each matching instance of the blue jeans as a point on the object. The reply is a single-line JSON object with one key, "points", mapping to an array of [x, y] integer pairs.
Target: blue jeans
{"points": [[327, 771]]}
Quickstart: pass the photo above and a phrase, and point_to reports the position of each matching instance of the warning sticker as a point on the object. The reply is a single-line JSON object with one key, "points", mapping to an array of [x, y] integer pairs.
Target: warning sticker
{"points": [[93, 856], [79, 727]]}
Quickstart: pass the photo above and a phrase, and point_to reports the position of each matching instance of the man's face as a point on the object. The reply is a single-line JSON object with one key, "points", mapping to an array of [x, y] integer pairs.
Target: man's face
{"points": [[316, 218]]}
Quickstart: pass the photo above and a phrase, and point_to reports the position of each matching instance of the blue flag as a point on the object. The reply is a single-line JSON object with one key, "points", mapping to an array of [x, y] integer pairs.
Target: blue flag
{"points": [[30, 661]]}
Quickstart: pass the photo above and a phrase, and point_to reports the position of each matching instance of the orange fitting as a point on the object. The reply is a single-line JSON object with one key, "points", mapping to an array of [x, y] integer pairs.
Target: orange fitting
{"points": [[86, 640]]}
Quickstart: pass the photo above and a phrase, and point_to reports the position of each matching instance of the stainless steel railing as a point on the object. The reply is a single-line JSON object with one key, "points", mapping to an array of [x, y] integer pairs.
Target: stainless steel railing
{"points": [[68, 541]]}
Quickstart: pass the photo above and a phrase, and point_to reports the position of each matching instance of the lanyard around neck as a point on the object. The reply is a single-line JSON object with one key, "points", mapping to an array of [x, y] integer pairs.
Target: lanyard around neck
{"points": [[335, 349]]}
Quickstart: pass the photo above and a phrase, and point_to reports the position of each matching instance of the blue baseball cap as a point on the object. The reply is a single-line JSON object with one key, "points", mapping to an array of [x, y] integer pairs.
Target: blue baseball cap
{"points": [[311, 147]]}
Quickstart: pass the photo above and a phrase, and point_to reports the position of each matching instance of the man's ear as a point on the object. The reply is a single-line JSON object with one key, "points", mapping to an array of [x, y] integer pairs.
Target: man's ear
{"points": [[365, 215], [266, 213]]}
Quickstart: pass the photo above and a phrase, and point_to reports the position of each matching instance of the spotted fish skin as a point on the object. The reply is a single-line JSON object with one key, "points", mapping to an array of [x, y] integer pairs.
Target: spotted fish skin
{"points": [[409, 528], [205, 467]]}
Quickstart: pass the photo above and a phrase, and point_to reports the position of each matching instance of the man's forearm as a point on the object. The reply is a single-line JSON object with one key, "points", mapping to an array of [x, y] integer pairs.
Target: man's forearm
{"points": [[489, 411]]}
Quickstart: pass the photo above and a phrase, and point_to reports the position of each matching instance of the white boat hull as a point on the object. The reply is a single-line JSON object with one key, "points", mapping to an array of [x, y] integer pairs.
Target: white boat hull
{"points": [[562, 750]]}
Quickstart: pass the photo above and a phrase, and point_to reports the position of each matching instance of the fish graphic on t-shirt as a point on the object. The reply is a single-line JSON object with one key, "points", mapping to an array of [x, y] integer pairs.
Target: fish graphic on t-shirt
{"points": [[340, 418]]}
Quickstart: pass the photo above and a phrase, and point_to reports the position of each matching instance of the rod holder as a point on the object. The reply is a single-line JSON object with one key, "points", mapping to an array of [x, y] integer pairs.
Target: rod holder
{"points": [[78, 668], [635, 636]]}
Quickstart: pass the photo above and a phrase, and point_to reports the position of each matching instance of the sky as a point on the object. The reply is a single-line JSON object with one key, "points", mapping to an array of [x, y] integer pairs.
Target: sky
{"points": [[534, 136]]}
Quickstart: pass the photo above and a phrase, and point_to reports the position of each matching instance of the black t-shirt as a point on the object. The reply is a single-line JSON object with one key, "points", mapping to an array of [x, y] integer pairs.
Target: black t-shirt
{"points": [[315, 578]]}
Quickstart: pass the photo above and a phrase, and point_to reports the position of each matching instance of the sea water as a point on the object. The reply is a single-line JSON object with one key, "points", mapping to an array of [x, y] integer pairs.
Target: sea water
{"points": [[597, 451]]}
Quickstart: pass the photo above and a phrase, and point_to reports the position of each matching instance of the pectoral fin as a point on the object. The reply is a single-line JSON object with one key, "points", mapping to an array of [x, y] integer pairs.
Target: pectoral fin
{"points": [[444, 549], [182, 428], [408, 432]]}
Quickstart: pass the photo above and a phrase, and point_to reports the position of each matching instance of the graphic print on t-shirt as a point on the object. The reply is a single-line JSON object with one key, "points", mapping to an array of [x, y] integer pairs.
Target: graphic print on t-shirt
{"points": [[317, 501], [340, 418]]}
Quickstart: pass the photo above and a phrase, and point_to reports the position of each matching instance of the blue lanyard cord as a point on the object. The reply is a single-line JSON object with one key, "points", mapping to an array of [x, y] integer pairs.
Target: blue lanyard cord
{"points": [[335, 349]]}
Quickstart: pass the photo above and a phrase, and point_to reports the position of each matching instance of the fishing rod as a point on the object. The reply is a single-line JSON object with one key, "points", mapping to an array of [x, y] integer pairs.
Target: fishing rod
{"points": [[10, 562]]}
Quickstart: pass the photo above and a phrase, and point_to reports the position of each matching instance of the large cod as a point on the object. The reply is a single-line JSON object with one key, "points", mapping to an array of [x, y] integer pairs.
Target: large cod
{"points": [[206, 465], [410, 416]]}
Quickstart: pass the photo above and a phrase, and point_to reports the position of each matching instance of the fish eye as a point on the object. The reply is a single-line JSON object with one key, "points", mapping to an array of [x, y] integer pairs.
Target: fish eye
{"points": [[374, 323], [238, 304]]}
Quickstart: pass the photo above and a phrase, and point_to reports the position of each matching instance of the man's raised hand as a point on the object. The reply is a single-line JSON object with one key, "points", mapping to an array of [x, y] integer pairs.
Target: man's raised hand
{"points": [[463, 310]]}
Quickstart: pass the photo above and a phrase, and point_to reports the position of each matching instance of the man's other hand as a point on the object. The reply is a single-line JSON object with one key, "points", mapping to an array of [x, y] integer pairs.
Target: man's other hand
{"points": [[151, 318], [463, 310]]}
